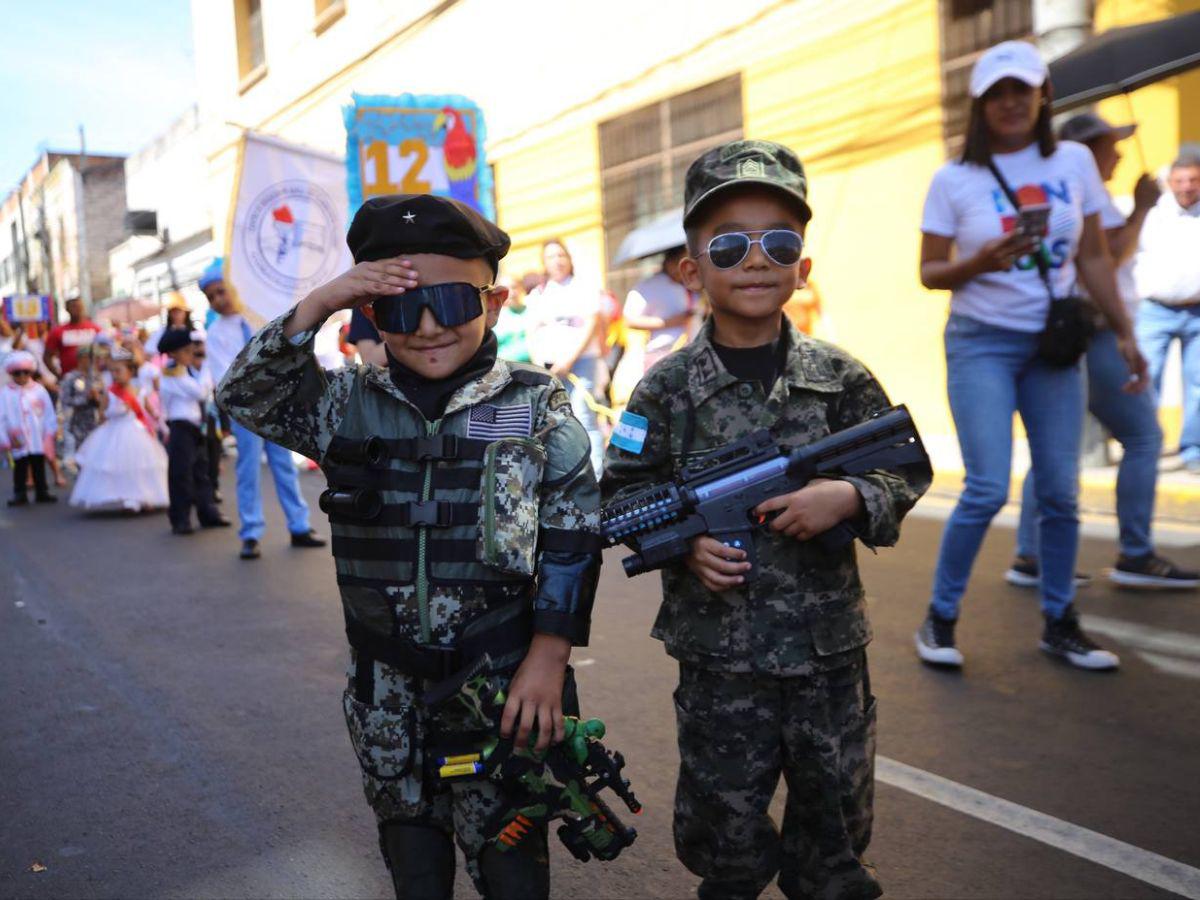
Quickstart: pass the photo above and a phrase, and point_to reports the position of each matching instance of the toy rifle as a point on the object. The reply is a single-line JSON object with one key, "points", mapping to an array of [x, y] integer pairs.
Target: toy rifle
{"points": [[717, 494], [563, 782]]}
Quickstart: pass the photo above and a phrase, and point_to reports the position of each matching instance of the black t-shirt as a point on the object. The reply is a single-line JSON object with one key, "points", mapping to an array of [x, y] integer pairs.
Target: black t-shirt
{"points": [[762, 364]]}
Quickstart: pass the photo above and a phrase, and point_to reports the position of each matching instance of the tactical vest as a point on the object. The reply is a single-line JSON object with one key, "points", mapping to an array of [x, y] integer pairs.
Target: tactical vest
{"points": [[406, 511]]}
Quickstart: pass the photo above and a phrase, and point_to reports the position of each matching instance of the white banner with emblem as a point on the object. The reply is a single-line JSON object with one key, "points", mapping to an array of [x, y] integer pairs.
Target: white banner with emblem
{"points": [[287, 231]]}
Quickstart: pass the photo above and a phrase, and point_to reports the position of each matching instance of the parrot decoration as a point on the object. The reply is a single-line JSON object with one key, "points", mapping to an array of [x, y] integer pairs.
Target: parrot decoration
{"points": [[458, 153]]}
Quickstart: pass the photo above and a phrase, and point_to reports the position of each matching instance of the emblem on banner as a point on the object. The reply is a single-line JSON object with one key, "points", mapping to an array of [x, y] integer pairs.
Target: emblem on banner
{"points": [[291, 236]]}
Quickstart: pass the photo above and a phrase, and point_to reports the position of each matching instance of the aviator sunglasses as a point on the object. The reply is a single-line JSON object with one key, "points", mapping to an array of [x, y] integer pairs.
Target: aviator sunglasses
{"points": [[454, 303], [727, 250]]}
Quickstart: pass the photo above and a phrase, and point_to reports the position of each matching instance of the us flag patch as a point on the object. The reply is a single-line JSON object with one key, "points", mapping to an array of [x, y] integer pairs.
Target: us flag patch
{"points": [[490, 423]]}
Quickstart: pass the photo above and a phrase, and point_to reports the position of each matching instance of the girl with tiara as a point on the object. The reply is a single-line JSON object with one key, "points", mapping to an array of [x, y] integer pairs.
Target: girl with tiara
{"points": [[122, 465]]}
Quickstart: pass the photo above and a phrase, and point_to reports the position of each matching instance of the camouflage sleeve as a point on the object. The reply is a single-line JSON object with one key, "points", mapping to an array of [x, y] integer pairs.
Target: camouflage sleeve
{"points": [[887, 494], [276, 389], [569, 524], [626, 471]]}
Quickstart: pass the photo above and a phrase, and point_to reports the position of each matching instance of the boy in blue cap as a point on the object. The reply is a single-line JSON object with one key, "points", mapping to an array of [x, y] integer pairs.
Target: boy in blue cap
{"points": [[227, 335]]}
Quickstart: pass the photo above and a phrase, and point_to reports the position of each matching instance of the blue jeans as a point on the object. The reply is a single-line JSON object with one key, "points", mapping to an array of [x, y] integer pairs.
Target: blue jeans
{"points": [[990, 374], [587, 371], [1156, 327], [287, 485], [1133, 420]]}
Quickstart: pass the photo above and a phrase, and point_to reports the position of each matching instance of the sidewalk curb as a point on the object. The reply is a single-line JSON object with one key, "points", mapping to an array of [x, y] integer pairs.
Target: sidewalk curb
{"points": [[1179, 503]]}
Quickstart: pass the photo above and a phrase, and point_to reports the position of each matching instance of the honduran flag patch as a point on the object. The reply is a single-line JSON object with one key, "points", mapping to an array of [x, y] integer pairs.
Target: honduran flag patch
{"points": [[630, 433]]}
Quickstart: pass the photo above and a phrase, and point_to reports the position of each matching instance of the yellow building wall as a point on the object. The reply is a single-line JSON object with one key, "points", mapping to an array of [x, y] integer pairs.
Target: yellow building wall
{"points": [[553, 190], [862, 108]]}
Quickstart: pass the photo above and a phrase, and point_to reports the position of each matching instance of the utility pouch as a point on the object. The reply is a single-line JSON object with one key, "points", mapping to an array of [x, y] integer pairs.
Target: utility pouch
{"points": [[508, 509], [384, 739]]}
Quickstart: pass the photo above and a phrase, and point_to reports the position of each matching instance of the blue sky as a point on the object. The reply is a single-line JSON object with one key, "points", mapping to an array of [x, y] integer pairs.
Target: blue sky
{"points": [[122, 68]]}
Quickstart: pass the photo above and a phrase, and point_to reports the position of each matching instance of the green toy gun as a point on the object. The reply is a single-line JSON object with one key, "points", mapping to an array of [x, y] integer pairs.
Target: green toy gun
{"points": [[563, 782]]}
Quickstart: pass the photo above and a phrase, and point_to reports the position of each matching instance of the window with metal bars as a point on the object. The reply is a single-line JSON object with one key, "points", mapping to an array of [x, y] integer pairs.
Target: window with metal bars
{"points": [[644, 155], [969, 27]]}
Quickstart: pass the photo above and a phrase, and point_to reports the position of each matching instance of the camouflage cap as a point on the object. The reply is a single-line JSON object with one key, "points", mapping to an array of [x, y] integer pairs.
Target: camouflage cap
{"points": [[740, 163]]}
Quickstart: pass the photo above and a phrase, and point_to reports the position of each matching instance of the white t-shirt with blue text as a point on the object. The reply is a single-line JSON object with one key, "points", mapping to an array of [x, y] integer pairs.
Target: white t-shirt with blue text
{"points": [[967, 204]]}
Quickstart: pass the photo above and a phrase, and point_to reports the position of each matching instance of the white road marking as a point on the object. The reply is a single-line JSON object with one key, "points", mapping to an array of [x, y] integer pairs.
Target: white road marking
{"points": [[1127, 859], [1172, 665], [1172, 652], [1145, 637], [586, 661]]}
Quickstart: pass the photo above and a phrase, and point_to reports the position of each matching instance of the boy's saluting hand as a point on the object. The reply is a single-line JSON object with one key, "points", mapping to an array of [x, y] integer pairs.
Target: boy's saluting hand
{"points": [[355, 287], [365, 281]]}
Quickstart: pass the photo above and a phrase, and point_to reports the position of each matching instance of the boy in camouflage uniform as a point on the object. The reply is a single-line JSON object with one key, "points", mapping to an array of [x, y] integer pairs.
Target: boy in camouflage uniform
{"points": [[772, 673], [464, 516]]}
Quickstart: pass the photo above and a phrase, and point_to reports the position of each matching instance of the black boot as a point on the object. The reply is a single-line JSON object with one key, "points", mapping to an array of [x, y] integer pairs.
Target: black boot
{"points": [[421, 860], [522, 873]]}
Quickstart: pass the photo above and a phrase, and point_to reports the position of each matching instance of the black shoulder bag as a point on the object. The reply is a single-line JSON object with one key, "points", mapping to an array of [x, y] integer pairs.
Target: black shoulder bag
{"points": [[1069, 324]]}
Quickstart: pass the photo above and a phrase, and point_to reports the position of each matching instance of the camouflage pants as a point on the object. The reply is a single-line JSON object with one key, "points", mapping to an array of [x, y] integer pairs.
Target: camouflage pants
{"points": [[388, 738], [737, 734]]}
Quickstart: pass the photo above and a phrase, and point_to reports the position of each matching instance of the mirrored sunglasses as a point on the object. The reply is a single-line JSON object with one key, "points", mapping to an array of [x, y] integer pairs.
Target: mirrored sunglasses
{"points": [[455, 303], [727, 250]]}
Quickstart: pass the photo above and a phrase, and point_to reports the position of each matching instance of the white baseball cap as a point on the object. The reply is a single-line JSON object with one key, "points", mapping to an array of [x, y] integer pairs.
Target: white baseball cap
{"points": [[1011, 59]]}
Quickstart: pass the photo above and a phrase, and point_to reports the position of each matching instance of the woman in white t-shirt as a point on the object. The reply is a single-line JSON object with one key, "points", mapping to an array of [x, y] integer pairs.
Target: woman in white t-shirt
{"points": [[565, 334], [998, 306]]}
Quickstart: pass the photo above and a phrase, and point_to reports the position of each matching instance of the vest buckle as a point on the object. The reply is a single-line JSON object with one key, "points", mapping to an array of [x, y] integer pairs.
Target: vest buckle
{"points": [[434, 513], [437, 446]]}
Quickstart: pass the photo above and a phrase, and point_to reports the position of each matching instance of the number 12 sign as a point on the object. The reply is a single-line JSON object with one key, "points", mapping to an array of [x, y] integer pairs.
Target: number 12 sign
{"points": [[417, 144]]}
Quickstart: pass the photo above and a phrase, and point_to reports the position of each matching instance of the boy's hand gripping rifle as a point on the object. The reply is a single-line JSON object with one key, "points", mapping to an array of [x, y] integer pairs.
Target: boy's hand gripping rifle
{"points": [[564, 782], [718, 493]]}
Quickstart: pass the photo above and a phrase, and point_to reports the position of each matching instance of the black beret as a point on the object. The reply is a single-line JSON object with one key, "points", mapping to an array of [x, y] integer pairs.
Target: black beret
{"points": [[174, 339], [423, 223]]}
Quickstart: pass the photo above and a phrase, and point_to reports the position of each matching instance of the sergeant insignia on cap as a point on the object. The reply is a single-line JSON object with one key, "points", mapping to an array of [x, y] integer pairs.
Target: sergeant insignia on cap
{"points": [[751, 168]]}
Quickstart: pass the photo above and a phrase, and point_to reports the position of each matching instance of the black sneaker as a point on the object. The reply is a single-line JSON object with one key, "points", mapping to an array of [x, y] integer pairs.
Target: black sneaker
{"points": [[1025, 572], [22, 500], [46, 498], [307, 539], [935, 641], [1152, 571], [1063, 637], [250, 550]]}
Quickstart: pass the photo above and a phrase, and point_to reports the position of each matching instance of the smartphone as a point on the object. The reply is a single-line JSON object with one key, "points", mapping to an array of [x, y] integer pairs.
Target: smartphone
{"points": [[1033, 219]]}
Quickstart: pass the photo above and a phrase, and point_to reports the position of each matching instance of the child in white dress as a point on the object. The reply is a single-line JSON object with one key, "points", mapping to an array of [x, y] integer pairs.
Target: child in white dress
{"points": [[27, 428], [123, 466]]}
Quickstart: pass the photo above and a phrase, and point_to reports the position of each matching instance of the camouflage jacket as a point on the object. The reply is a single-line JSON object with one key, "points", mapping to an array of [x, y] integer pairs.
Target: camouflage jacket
{"points": [[426, 581], [806, 611]]}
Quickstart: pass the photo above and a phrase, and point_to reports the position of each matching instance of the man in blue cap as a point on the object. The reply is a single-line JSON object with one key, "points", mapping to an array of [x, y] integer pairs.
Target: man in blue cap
{"points": [[227, 335]]}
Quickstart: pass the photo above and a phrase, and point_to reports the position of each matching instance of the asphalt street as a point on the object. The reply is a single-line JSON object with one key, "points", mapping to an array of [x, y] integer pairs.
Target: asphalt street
{"points": [[171, 726]]}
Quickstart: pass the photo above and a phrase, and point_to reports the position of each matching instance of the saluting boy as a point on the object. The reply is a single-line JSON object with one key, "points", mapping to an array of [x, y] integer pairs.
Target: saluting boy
{"points": [[772, 673], [464, 515]]}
